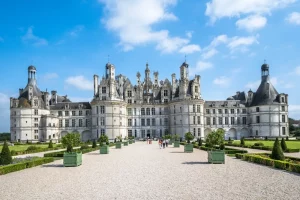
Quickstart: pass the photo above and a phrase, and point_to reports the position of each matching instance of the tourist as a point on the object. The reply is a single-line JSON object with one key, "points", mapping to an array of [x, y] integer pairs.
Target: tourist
{"points": [[159, 143], [164, 143]]}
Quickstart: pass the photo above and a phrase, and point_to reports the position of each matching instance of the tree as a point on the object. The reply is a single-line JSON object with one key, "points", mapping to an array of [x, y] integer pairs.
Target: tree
{"points": [[119, 138], [215, 138], [188, 137], [5, 156], [103, 140], [200, 142], [277, 153], [176, 137], [283, 145], [50, 146], [94, 144], [242, 141], [70, 140]]}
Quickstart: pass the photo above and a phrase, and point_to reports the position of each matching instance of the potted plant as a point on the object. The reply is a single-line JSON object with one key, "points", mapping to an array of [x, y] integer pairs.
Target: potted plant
{"points": [[215, 138], [118, 142], [130, 140], [188, 148], [71, 158], [176, 140], [125, 141], [104, 144]]}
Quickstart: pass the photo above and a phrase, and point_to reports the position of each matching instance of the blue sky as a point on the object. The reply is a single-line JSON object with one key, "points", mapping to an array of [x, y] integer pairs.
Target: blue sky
{"points": [[225, 41]]}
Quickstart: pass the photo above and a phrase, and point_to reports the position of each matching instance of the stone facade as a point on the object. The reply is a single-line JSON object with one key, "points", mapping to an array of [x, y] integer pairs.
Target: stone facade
{"points": [[147, 109]]}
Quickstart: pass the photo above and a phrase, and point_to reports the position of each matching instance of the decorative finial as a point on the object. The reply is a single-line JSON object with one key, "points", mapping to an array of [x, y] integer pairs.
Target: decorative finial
{"points": [[184, 57]]}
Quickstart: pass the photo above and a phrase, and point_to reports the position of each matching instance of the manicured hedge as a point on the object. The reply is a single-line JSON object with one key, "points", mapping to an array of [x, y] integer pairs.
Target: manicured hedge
{"points": [[285, 165], [227, 150], [15, 153], [23, 165], [267, 148]]}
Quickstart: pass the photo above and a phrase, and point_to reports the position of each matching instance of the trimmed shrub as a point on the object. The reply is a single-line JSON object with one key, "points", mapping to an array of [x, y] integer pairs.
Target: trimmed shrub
{"points": [[242, 141], [32, 148], [277, 153], [188, 137], [200, 142], [294, 167], [266, 138], [280, 164], [5, 156], [239, 155], [50, 146], [258, 144], [94, 144], [85, 146], [283, 145], [222, 146], [13, 153]]}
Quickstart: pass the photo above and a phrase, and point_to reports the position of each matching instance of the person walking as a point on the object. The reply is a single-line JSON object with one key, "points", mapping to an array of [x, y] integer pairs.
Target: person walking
{"points": [[159, 143], [164, 143]]}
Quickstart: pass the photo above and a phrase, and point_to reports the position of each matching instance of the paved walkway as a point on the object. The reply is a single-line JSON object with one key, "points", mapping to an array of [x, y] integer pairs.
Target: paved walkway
{"points": [[143, 171], [295, 155]]}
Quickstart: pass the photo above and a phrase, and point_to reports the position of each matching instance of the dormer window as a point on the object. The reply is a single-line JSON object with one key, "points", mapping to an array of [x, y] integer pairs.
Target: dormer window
{"points": [[196, 89], [282, 99], [129, 93], [36, 103], [103, 90]]}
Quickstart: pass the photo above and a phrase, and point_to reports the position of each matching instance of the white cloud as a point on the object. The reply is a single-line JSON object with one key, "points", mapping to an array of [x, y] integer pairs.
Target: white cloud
{"points": [[241, 42], [1, 39], [208, 54], [30, 38], [297, 70], [76, 30], [217, 9], [189, 49], [221, 39], [294, 18], [222, 81], [133, 21], [80, 82], [189, 34], [252, 23]]}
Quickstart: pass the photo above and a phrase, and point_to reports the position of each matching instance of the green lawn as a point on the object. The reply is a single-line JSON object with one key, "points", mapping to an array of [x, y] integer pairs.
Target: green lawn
{"points": [[290, 144], [25, 146]]}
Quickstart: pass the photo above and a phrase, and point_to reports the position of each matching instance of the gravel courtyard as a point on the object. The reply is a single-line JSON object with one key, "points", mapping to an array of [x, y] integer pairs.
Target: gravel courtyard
{"points": [[142, 171]]}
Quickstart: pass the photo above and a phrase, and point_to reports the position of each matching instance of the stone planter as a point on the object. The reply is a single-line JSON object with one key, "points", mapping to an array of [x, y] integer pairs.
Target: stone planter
{"points": [[72, 159], [130, 141], [216, 156], [125, 143], [104, 149], [176, 144], [188, 148], [171, 142], [118, 145]]}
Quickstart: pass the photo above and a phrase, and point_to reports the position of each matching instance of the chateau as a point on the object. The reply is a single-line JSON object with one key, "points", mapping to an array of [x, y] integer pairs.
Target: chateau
{"points": [[151, 108]]}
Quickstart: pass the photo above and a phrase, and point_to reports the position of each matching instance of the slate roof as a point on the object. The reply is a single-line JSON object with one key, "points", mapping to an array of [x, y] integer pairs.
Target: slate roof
{"points": [[61, 106]]}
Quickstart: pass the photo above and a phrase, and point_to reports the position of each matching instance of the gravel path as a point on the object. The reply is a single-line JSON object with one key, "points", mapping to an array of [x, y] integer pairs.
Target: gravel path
{"points": [[142, 171]]}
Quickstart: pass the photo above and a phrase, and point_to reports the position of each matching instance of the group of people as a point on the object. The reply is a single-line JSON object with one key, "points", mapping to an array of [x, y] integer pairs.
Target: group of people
{"points": [[163, 143]]}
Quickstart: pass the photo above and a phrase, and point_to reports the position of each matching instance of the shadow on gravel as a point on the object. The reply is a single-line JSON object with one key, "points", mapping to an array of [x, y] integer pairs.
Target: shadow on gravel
{"points": [[177, 152], [195, 163], [54, 165]]}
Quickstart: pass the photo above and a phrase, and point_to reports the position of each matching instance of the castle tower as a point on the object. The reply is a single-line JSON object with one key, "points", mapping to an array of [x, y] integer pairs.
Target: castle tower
{"points": [[31, 75], [96, 78]]}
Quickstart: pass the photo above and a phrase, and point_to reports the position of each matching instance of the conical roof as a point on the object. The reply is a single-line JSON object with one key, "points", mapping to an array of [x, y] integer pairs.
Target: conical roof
{"points": [[266, 93]]}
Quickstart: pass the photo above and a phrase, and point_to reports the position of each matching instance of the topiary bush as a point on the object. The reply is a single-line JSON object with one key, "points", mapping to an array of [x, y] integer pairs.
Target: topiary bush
{"points": [[215, 138], [50, 146], [103, 140], [32, 148], [277, 153], [283, 144], [94, 144], [222, 146], [243, 141], [188, 137], [258, 144], [5, 156], [70, 140]]}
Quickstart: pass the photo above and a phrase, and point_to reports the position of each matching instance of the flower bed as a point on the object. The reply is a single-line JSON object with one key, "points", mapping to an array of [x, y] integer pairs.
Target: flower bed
{"points": [[20, 164], [289, 164]]}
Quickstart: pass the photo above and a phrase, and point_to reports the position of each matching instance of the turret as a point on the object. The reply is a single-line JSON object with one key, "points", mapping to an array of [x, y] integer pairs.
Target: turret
{"points": [[155, 78], [173, 85], [147, 73], [110, 71], [138, 78], [96, 78], [184, 71], [31, 75]]}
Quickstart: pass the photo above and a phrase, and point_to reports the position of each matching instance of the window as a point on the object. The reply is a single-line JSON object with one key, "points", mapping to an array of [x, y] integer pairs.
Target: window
{"points": [[87, 122], [73, 123], [49, 124], [36, 112], [59, 113], [143, 122], [256, 132], [166, 121], [208, 120], [214, 121], [283, 118], [232, 121], [194, 108], [135, 122], [80, 112], [282, 99], [226, 111], [220, 111], [283, 130], [220, 120], [36, 125], [194, 132], [198, 119], [257, 109], [174, 109], [36, 119], [282, 108], [129, 111], [165, 93], [232, 111], [238, 111], [196, 89], [66, 123], [102, 109], [129, 122], [198, 108], [80, 122], [238, 121], [102, 131], [166, 100], [194, 119], [244, 120], [226, 120], [180, 109], [73, 113], [36, 131], [60, 123], [102, 121], [66, 113], [160, 121], [147, 111], [97, 121], [257, 119], [166, 110], [134, 111], [103, 90], [97, 110], [148, 122], [207, 111], [129, 101], [143, 133], [153, 121], [53, 124], [129, 133], [143, 111], [244, 111], [129, 93], [199, 132], [174, 120], [153, 111], [36, 103], [214, 111]]}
